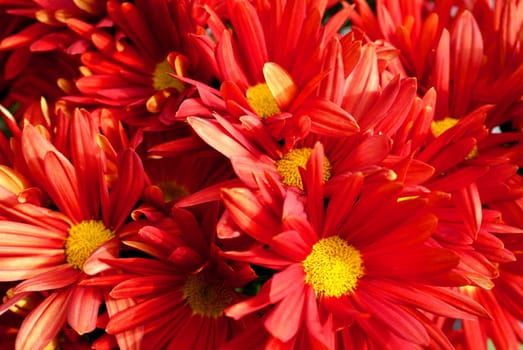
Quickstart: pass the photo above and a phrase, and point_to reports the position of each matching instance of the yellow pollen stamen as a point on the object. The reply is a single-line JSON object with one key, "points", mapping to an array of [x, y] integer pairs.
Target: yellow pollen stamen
{"points": [[440, 126], [261, 100], [207, 298], [83, 239], [172, 190], [288, 166], [333, 267], [162, 80]]}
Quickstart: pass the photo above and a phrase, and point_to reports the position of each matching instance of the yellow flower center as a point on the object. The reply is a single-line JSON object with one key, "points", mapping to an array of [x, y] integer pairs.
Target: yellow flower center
{"points": [[288, 166], [440, 126], [206, 298], [172, 190], [261, 100], [83, 239], [162, 80], [333, 267]]}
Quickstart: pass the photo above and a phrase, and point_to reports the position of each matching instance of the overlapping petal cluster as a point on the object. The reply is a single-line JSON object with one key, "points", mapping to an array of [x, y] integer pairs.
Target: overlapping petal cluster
{"points": [[276, 174]]}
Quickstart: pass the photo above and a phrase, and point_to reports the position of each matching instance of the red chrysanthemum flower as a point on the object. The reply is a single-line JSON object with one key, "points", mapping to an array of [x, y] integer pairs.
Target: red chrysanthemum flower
{"points": [[366, 257], [474, 167], [261, 33], [470, 52], [182, 290], [271, 76], [53, 250], [129, 70]]}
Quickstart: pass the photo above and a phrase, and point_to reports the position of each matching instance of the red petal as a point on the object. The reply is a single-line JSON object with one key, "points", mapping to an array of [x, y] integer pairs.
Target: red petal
{"points": [[285, 319], [441, 74], [215, 136], [43, 323], [146, 311], [251, 37], [83, 308], [130, 184], [53, 171], [291, 245], [425, 265], [94, 263], [341, 204], [396, 318], [313, 183], [58, 277], [362, 84], [147, 285], [436, 300], [251, 215], [228, 61], [129, 340], [25, 36], [260, 256], [469, 203], [467, 46], [328, 118], [24, 235], [63, 186]]}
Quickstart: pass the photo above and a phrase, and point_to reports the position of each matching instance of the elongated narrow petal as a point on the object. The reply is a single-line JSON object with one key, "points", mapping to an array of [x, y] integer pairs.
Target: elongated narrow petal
{"points": [[313, 183], [56, 278], [397, 319], [213, 135], [260, 256], [86, 155], [83, 309], [65, 186], [251, 37], [130, 185], [283, 323], [362, 84], [134, 316], [142, 286], [249, 214], [21, 234], [227, 61], [132, 339], [291, 245], [329, 119], [467, 45], [341, 204], [44, 322], [53, 171]]}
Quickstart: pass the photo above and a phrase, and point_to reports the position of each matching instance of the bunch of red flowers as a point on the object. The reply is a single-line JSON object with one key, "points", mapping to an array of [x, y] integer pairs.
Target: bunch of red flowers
{"points": [[261, 174]]}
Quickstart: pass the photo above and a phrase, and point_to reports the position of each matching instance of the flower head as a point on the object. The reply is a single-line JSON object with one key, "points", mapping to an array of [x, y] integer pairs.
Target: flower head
{"points": [[52, 250], [348, 261], [182, 291]]}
